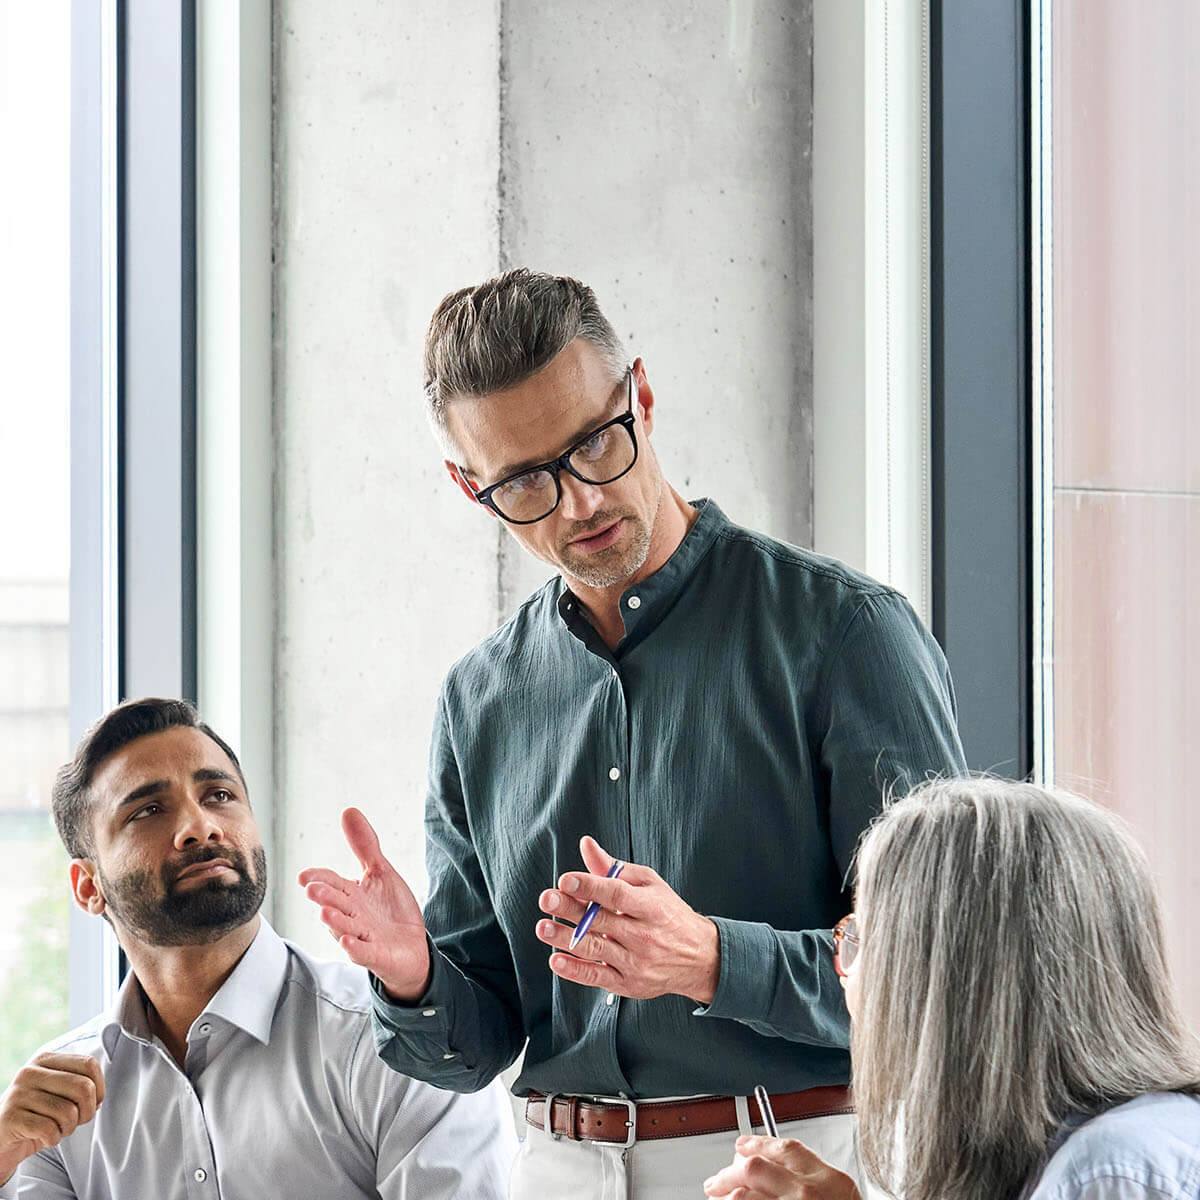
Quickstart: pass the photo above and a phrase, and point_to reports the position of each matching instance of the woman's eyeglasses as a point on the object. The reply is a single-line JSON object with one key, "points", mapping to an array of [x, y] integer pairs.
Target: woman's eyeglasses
{"points": [[845, 945]]}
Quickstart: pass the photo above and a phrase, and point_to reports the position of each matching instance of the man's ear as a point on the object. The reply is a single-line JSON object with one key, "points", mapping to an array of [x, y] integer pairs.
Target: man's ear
{"points": [[463, 482], [645, 394], [85, 886]]}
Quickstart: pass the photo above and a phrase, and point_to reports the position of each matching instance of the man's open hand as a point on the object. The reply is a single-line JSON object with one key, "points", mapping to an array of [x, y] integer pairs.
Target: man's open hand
{"points": [[376, 918], [644, 942], [51, 1096], [765, 1168]]}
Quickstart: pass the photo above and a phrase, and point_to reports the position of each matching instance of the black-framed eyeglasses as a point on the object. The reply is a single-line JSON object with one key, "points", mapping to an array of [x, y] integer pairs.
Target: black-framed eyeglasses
{"points": [[602, 456]]}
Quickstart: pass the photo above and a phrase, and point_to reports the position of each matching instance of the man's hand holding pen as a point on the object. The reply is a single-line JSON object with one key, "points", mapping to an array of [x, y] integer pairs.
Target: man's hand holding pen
{"points": [[645, 940]]}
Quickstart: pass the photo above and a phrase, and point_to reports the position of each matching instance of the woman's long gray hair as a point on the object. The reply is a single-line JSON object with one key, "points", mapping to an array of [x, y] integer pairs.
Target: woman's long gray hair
{"points": [[1012, 972]]}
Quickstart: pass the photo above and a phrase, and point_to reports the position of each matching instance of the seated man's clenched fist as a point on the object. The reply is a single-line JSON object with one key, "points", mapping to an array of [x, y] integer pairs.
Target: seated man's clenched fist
{"points": [[51, 1096]]}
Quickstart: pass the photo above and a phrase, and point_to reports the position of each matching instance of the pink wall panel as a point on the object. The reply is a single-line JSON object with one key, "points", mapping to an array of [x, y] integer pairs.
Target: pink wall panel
{"points": [[1126, 180]]}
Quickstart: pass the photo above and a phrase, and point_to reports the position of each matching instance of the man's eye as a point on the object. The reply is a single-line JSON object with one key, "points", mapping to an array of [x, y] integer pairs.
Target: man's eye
{"points": [[222, 796], [147, 810], [596, 445], [532, 481]]}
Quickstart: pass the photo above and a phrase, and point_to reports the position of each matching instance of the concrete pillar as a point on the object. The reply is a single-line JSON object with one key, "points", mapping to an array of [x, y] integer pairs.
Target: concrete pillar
{"points": [[387, 158]]}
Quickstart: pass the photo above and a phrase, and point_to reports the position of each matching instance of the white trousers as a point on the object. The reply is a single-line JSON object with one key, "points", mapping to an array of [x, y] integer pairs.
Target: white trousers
{"points": [[663, 1169]]}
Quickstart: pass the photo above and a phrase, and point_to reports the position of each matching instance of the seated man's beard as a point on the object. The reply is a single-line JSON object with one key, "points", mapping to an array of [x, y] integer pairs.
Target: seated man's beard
{"points": [[192, 916]]}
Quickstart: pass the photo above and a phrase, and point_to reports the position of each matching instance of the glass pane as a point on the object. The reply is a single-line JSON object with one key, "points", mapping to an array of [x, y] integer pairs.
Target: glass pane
{"points": [[1126, 505], [34, 534]]}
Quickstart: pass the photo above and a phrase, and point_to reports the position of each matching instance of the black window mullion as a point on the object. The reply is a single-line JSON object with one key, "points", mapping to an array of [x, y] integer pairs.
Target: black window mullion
{"points": [[980, 401]]}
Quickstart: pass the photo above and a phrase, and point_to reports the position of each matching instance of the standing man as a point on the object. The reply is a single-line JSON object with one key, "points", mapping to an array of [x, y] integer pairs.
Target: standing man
{"points": [[232, 1065], [716, 710]]}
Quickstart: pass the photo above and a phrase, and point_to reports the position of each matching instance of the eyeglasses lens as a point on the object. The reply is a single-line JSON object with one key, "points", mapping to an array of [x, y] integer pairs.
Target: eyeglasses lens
{"points": [[528, 497], [845, 945]]}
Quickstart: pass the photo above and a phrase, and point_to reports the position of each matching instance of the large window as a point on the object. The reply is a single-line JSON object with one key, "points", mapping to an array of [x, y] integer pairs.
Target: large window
{"points": [[34, 498], [1120, 408]]}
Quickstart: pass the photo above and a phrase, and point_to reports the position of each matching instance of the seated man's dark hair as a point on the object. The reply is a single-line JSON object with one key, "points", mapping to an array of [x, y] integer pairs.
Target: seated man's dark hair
{"points": [[124, 724]]}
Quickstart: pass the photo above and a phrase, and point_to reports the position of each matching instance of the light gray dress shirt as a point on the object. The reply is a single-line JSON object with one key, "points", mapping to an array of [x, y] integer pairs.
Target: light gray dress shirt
{"points": [[283, 1095]]}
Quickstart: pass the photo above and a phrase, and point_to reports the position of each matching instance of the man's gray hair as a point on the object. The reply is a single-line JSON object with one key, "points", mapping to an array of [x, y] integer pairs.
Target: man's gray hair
{"points": [[486, 338], [1012, 972]]}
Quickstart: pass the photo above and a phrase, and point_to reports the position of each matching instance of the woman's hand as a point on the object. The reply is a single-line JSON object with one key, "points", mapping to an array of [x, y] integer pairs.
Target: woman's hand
{"points": [[765, 1168]]}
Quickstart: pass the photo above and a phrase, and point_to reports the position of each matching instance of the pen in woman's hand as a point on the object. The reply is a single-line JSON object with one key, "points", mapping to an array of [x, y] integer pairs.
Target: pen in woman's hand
{"points": [[764, 1107]]}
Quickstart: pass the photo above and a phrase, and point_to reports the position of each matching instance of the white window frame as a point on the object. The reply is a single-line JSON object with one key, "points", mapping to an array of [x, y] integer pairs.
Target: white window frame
{"points": [[871, 430], [95, 564]]}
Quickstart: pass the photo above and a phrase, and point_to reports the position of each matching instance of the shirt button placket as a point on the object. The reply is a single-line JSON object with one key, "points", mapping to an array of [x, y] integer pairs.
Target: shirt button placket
{"points": [[614, 773]]}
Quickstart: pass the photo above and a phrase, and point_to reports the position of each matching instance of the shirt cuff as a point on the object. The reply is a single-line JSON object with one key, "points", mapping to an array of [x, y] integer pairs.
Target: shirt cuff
{"points": [[430, 1015], [744, 989]]}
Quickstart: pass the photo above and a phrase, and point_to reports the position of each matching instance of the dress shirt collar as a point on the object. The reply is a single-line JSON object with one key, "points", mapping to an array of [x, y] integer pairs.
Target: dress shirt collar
{"points": [[247, 999], [644, 604]]}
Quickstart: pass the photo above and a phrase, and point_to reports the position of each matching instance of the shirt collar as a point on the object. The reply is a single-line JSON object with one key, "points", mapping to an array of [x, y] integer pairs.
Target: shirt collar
{"points": [[247, 999], [644, 603], [1072, 1122]]}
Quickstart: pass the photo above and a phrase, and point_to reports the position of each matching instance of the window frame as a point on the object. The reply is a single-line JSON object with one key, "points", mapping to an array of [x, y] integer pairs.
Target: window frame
{"points": [[133, 385]]}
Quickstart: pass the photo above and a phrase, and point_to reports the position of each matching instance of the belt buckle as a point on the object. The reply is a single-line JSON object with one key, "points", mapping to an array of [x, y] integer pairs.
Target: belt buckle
{"points": [[630, 1113], [549, 1117]]}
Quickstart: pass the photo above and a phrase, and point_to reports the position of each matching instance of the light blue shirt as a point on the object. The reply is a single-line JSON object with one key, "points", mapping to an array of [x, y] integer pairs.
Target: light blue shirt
{"points": [[281, 1095], [1147, 1149]]}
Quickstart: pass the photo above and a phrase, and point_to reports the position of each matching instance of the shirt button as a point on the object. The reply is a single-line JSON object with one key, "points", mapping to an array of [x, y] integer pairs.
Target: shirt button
{"points": [[429, 1012], [609, 999], [206, 1028], [634, 602], [200, 1175], [447, 1057], [614, 773]]}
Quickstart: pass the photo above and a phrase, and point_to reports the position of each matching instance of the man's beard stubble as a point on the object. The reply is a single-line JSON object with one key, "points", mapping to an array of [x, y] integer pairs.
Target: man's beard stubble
{"points": [[193, 917], [612, 566], [608, 567]]}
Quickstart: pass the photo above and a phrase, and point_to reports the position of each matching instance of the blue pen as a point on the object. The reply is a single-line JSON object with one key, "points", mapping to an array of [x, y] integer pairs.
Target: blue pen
{"points": [[589, 913]]}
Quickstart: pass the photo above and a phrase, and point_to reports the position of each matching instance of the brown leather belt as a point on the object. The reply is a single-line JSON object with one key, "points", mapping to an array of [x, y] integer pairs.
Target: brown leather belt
{"points": [[581, 1118]]}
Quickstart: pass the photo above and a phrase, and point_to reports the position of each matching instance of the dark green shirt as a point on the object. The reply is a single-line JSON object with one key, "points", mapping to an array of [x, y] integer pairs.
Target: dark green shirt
{"points": [[737, 740]]}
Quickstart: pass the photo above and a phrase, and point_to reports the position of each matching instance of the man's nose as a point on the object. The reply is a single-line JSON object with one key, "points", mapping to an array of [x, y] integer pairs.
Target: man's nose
{"points": [[580, 500], [197, 823]]}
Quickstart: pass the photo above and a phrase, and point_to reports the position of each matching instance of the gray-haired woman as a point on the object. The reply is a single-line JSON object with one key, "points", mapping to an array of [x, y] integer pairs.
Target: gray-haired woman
{"points": [[1014, 1028]]}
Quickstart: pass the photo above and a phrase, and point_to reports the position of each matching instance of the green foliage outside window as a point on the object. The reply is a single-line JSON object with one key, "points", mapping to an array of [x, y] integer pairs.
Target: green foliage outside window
{"points": [[34, 984]]}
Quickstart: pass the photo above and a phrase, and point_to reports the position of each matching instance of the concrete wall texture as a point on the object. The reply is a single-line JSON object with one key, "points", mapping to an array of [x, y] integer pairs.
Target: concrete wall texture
{"points": [[660, 152]]}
